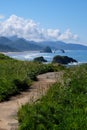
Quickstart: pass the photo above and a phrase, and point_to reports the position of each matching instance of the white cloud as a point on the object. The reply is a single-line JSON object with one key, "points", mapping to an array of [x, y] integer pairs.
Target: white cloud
{"points": [[2, 16], [31, 30], [68, 35]]}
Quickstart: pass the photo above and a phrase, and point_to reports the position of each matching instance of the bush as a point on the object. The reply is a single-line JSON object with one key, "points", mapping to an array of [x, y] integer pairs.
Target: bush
{"points": [[22, 85], [17, 76], [6, 89], [64, 107]]}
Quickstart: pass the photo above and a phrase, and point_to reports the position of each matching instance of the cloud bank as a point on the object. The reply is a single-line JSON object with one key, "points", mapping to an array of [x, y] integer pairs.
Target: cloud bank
{"points": [[31, 30]]}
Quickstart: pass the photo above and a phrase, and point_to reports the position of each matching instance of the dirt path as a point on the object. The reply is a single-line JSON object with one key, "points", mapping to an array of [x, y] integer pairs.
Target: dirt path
{"points": [[8, 109]]}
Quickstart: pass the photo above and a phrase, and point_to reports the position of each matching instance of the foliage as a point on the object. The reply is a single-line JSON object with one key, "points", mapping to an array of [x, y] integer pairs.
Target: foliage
{"points": [[4, 57], [64, 107], [17, 76]]}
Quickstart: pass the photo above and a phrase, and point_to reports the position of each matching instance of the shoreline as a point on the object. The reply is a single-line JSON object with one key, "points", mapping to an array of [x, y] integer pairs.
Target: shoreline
{"points": [[79, 55]]}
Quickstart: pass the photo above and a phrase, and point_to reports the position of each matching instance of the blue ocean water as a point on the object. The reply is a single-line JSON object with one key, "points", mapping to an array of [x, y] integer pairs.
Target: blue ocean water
{"points": [[79, 55]]}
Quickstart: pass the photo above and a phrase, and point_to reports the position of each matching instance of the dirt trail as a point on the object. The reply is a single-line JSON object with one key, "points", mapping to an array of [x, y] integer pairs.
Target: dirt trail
{"points": [[8, 109]]}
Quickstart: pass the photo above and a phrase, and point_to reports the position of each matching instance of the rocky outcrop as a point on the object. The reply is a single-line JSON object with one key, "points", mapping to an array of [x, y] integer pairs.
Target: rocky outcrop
{"points": [[47, 50], [62, 50], [40, 59], [63, 59]]}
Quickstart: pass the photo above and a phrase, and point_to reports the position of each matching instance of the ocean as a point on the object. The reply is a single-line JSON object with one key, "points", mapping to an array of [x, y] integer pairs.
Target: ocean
{"points": [[79, 55]]}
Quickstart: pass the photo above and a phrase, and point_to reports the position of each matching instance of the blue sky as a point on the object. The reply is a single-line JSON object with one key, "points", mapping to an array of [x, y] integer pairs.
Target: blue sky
{"points": [[53, 14]]}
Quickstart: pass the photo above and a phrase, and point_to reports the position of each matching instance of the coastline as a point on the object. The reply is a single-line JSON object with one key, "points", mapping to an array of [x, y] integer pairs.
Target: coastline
{"points": [[79, 55]]}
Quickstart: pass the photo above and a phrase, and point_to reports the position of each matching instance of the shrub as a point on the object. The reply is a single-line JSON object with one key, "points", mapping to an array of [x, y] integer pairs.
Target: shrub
{"points": [[16, 76], [64, 107], [22, 85]]}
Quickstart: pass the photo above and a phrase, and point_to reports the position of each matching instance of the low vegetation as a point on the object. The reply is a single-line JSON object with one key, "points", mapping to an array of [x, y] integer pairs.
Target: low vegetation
{"points": [[64, 107], [17, 76]]}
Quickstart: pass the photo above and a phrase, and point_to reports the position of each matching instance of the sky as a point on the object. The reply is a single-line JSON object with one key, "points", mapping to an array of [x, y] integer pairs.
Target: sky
{"points": [[42, 20]]}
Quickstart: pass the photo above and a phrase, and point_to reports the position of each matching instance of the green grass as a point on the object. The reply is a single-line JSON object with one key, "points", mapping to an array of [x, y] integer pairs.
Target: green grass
{"points": [[64, 107], [17, 76]]}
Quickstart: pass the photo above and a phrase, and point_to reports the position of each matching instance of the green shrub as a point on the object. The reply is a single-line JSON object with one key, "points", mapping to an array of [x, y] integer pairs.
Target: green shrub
{"points": [[6, 89], [17, 76], [22, 85], [64, 107], [4, 57]]}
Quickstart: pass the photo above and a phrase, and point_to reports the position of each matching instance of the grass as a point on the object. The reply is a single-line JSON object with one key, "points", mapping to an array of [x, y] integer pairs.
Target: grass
{"points": [[64, 107], [17, 76]]}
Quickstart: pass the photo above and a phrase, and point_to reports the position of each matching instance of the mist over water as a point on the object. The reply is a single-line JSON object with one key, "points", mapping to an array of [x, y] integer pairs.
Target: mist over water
{"points": [[79, 55]]}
